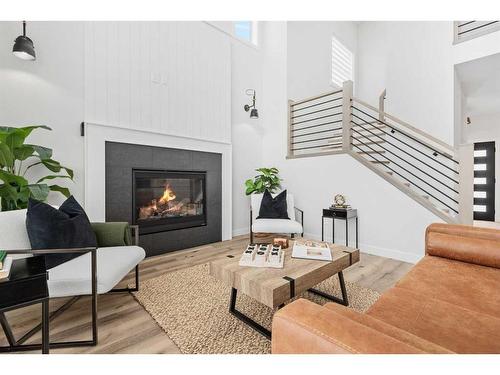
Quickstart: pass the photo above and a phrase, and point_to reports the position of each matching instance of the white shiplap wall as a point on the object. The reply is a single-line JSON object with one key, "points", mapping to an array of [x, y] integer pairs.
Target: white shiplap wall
{"points": [[167, 77]]}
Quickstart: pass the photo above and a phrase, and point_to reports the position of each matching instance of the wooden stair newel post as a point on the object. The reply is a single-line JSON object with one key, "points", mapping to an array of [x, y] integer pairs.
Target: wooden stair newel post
{"points": [[347, 93], [289, 153], [381, 105]]}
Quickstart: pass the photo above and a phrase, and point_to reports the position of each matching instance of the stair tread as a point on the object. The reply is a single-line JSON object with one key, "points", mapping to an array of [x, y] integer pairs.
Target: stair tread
{"points": [[368, 131], [371, 126], [369, 136], [368, 142], [371, 152]]}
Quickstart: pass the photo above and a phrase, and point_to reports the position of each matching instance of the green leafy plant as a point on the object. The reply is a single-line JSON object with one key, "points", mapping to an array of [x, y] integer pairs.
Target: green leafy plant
{"points": [[267, 179], [16, 159]]}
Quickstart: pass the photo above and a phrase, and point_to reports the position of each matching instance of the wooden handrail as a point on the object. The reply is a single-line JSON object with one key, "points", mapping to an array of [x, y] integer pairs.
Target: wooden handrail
{"points": [[429, 140], [294, 103]]}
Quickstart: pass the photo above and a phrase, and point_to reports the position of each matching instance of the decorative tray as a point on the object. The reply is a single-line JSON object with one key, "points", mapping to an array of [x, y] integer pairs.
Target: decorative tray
{"points": [[263, 255]]}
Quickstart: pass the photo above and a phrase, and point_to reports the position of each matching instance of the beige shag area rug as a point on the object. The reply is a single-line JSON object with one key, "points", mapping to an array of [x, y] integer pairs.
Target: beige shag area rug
{"points": [[192, 308]]}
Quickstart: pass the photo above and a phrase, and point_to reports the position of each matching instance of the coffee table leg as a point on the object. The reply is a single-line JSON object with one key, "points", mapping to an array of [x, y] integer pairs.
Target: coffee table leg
{"points": [[343, 301], [245, 319]]}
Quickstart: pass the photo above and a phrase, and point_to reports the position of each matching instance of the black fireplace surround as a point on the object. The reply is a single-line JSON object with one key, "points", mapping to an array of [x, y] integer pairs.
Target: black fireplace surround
{"points": [[174, 195]]}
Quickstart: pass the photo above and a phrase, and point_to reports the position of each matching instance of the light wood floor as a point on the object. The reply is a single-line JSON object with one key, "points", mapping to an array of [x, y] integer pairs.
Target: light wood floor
{"points": [[125, 327]]}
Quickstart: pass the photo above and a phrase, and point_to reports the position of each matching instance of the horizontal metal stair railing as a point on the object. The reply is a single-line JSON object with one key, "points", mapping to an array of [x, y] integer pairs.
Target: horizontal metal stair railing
{"points": [[467, 30], [315, 125], [422, 166]]}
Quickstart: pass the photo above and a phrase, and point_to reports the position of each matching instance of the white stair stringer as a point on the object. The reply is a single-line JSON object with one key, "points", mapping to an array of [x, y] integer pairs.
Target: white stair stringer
{"points": [[420, 197]]}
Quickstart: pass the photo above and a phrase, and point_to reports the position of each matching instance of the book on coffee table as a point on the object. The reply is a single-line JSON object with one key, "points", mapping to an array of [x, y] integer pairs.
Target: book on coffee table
{"points": [[310, 249]]}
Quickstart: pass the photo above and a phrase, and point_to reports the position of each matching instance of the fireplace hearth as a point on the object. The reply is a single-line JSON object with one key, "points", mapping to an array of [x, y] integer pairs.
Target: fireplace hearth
{"points": [[168, 200]]}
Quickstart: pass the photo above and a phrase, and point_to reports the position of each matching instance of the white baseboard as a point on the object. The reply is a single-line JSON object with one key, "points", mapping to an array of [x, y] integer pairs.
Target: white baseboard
{"points": [[390, 253], [380, 251], [241, 231]]}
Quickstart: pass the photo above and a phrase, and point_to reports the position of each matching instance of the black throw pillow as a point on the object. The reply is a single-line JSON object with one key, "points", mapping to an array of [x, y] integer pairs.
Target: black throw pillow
{"points": [[273, 208], [63, 228]]}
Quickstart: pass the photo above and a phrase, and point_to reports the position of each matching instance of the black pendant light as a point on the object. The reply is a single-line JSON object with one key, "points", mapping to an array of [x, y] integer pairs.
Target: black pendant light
{"points": [[253, 113], [23, 46]]}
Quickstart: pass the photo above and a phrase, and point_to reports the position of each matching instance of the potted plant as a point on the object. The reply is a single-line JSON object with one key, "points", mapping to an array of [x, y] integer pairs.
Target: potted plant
{"points": [[267, 179], [16, 159]]}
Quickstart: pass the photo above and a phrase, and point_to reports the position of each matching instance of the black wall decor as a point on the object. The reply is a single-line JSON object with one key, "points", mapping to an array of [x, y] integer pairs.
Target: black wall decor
{"points": [[123, 159]]}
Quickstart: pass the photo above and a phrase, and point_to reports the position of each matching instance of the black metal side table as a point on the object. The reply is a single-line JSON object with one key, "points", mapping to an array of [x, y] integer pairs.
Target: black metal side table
{"points": [[340, 214], [27, 285]]}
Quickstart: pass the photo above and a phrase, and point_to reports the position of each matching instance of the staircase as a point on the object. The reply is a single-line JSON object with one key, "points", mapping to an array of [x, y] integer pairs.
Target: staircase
{"points": [[420, 165]]}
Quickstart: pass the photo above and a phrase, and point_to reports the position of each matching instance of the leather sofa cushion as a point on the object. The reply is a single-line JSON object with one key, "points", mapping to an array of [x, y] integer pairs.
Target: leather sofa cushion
{"points": [[464, 243], [306, 327], [470, 286], [455, 328], [389, 330]]}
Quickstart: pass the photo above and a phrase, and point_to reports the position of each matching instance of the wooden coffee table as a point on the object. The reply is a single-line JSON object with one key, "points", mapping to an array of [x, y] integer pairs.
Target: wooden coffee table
{"points": [[274, 287]]}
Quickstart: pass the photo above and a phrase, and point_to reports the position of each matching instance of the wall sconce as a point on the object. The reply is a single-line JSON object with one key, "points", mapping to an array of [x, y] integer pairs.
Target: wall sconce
{"points": [[23, 46], [468, 121], [253, 113]]}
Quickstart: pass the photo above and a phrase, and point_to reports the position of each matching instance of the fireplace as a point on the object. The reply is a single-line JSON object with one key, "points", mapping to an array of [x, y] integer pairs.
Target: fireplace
{"points": [[168, 200], [147, 177]]}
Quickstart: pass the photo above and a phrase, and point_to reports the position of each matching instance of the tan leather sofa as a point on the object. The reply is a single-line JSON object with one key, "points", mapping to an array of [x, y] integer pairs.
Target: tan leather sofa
{"points": [[448, 303]]}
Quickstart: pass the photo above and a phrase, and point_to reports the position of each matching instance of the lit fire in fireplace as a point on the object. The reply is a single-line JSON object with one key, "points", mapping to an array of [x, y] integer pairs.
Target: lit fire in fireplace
{"points": [[167, 206], [168, 195]]}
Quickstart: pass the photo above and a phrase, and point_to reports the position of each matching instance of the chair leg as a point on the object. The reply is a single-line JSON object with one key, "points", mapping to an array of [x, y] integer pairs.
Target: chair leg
{"points": [[127, 289]]}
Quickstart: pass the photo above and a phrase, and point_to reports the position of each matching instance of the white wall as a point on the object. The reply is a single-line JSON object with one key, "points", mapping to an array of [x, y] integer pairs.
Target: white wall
{"points": [[414, 62], [170, 77], [485, 45], [246, 133], [309, 59], [47, 91]]}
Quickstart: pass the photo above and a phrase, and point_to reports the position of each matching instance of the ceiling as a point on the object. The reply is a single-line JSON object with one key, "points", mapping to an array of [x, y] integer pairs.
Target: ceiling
{"points": [[480, 81]]}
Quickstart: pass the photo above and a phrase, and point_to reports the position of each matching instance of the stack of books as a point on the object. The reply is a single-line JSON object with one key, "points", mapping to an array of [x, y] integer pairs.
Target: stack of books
{"points": [[307, 249], [5, 265]]}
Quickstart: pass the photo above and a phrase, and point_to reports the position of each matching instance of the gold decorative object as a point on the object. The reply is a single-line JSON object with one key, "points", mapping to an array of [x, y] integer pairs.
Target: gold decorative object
{"points": [[283, 242], [340, 202]]}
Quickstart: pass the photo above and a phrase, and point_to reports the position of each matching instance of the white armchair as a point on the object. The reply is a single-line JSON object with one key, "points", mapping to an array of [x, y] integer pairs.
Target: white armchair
{"points": [[278, 226], [97, 271]]}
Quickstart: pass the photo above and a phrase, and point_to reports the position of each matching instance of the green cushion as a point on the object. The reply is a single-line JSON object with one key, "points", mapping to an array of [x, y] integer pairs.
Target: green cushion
{"points": [[112, 234]]}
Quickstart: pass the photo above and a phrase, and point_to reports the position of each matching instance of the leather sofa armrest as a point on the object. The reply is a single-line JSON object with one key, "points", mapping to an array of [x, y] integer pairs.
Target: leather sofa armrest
{"points": [[464, 243], [305, 327]]}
